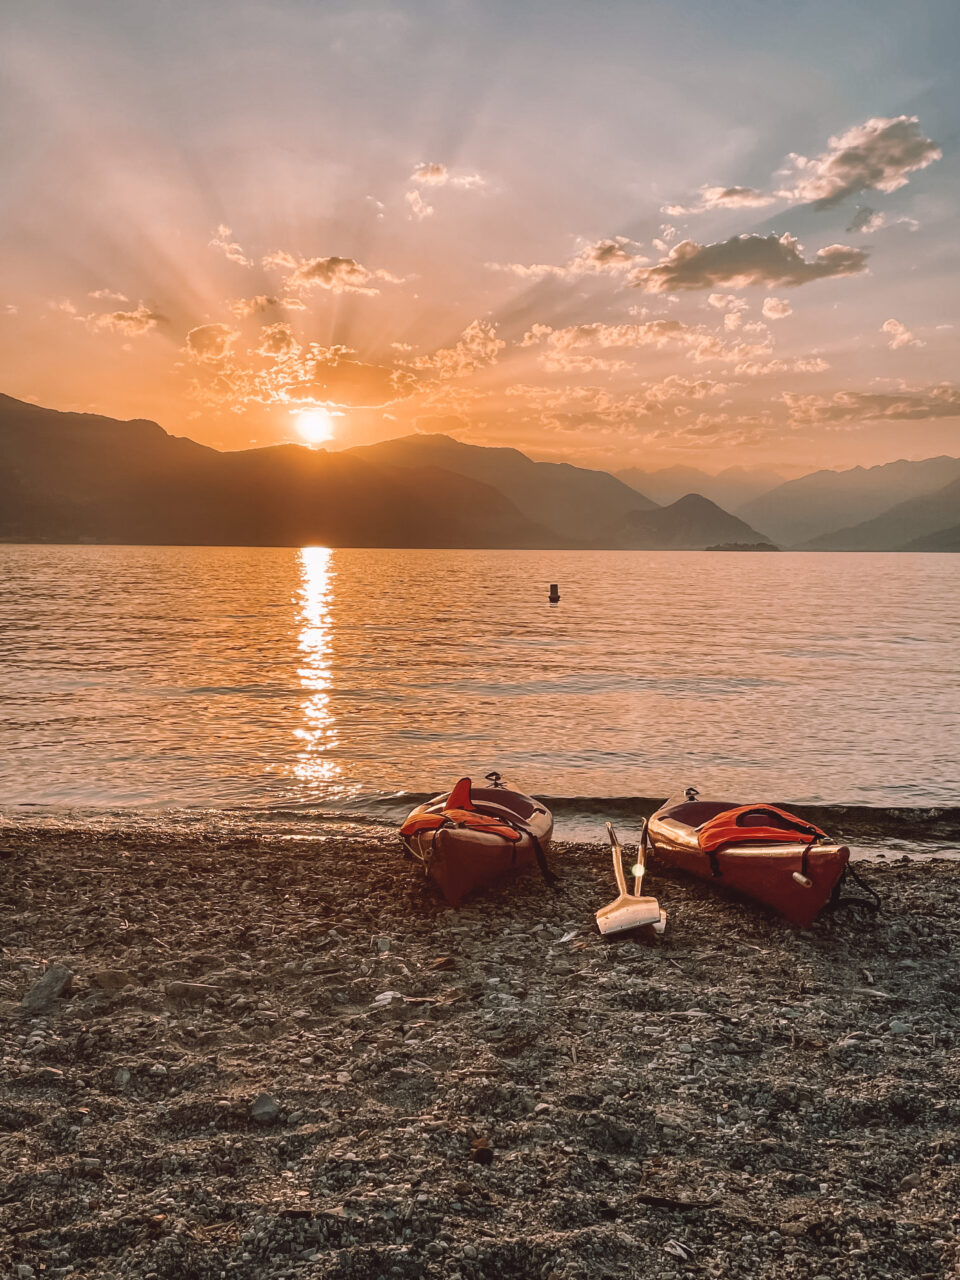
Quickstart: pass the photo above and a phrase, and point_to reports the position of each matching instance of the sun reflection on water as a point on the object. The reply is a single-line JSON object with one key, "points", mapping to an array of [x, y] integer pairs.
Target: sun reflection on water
{"points": [[318, 736]]}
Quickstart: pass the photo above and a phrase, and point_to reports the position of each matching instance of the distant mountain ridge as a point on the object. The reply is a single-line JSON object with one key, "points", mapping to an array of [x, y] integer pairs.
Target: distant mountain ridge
{"points": [[804, 512], [918, 524], [730, 488]]}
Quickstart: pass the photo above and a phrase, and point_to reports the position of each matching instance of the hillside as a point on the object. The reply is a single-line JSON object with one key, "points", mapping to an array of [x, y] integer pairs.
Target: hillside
{"points": [[692, 523], [801, 511], [81, 477], [575, 502], [926, 520]]}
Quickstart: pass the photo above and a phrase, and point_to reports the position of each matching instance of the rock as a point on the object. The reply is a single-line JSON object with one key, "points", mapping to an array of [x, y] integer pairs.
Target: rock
{"points": [[190, 992], [111, 979], [47, 989], [898, 1028], [264, 1108]]}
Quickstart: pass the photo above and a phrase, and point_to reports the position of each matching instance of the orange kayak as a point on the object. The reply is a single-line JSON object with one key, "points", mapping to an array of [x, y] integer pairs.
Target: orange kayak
{"points": [[759, 850], [469, 838]]}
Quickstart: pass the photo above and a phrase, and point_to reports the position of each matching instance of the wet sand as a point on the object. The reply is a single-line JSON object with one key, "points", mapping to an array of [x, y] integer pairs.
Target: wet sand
{"points": [[287, 1058]]}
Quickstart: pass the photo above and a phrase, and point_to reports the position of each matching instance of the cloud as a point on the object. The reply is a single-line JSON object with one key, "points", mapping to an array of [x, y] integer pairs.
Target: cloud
{"points": [[419, 208], [776, 308], [477, 348], [900, 335], [228, 247], [277, 340], [879, 154], [723, 198], [108, 295], [130, 323], [562, 347], [336, 274], [210, 342], [747, 260], [243, 308], [438, 175], [798, 364], [332, 375], [600, 257], [909, 405], [866, 221]]}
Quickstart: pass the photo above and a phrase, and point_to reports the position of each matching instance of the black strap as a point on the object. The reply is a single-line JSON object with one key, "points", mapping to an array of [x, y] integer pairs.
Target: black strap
{"points": [[838, 900], [550, 877]]}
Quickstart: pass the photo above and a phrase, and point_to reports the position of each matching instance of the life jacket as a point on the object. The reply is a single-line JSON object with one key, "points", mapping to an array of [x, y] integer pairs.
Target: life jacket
{"points": [[756, 824], [459, 811]]}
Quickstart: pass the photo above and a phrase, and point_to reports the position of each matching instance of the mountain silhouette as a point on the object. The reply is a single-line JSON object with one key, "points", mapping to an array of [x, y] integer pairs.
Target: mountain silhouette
{"points": [[575, 502], [692, 523], [800, 511], [919, 524], [81, 477]]}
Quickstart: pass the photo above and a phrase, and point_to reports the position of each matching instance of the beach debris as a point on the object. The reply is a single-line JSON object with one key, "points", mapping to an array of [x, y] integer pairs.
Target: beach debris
{"points": [[46, 989], [629, 911]]}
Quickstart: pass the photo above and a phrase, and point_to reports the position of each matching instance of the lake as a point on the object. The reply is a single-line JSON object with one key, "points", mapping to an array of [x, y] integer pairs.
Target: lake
{"points": [[290, 683]]}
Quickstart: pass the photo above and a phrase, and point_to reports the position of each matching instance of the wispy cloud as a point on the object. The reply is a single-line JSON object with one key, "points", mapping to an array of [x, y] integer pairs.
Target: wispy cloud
{"points": [[851, 407], [229, 248], [438, 175], [130, 323], [599, 257], [899, 335]]}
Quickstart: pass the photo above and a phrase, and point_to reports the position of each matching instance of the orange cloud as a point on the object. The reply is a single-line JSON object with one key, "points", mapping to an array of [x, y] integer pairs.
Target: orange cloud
{"points": [[130, 323], [210, 342], [336, 274]]}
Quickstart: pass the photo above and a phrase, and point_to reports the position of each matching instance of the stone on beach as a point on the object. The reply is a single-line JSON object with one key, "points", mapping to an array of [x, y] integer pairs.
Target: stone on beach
{"points": [[47, 989]]}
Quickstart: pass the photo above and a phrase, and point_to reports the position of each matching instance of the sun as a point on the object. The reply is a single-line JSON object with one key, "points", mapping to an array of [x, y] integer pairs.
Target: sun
{"points": [[315, 425]]}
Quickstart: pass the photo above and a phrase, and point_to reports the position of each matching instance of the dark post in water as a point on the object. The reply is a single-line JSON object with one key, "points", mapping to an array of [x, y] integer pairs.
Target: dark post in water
{"points": [[554, 592]]}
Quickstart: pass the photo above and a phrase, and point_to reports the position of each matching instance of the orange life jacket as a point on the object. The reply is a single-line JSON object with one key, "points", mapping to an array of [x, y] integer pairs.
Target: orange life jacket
{"points": [[458, 811], [729, 828]]}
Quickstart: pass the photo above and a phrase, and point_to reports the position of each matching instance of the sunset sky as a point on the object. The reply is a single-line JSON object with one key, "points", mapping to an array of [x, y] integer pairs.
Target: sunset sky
{"points": [[702, 231]]}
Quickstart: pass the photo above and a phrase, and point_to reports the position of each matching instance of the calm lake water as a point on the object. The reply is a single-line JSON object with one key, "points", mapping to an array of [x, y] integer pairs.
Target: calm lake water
{"points": [[290, 682]]}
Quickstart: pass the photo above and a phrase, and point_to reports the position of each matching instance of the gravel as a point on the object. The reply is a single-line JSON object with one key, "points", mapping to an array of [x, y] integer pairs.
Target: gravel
{"points": [[277, 1058]]}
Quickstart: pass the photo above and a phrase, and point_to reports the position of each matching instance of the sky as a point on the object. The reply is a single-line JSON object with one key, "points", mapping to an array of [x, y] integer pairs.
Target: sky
{"points": [[697, 232]]}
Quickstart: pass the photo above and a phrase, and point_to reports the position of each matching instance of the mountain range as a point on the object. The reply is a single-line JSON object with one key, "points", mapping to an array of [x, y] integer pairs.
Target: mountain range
{"points": [[811, 511], [72, 477], [730, 488]]}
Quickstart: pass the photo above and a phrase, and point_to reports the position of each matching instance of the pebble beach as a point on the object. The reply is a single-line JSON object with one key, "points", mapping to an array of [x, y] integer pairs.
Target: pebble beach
{"points": [[245, 1058]]}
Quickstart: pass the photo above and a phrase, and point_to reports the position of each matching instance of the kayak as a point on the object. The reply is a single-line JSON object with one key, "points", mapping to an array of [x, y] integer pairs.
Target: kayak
{"points": [[759, 850], [470, 837]]}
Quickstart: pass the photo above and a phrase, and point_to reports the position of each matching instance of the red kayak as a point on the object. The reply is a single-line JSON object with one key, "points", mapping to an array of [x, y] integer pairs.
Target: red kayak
{"points": [[759, 850], [470, 837]]}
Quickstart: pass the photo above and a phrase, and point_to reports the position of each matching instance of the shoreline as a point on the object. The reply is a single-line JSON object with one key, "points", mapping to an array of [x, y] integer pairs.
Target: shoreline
{"points": [[488, 1092]]}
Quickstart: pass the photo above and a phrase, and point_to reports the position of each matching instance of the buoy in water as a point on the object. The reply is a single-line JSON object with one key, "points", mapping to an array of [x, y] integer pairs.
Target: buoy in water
{"points": [[554, 592]]}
